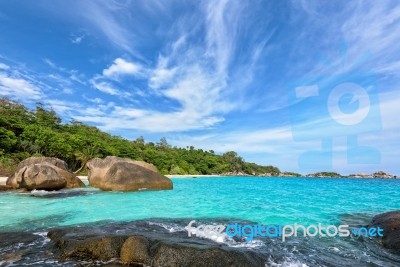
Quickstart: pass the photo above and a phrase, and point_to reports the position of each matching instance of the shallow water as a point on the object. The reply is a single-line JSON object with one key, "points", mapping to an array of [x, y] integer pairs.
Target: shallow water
{"points": [[227, 199]]}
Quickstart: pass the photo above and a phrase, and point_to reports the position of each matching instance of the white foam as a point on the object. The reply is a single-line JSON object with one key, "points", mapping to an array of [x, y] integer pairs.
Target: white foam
{"points": [[286, 263], [171, 227], [224, 238], [35, 192]]}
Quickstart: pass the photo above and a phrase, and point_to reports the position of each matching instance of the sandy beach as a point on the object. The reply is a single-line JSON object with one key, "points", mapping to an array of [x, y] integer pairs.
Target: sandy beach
{"points": [[192, 176]]}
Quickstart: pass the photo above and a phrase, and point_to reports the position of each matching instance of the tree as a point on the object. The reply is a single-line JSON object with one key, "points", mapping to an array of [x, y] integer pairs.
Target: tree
{"points": [[7, 140], [85, 155]]}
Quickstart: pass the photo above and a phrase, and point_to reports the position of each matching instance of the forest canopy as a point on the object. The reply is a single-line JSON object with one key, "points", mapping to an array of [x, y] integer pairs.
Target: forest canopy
{"points": [[40, 132]]}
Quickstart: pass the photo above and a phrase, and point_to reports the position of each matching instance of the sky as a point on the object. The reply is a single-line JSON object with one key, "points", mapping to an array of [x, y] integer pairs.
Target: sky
{"points": [[303, 85]]}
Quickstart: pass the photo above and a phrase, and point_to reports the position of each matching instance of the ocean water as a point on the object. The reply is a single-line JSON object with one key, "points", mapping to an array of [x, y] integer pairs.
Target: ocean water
{"points": [[270, 200]]}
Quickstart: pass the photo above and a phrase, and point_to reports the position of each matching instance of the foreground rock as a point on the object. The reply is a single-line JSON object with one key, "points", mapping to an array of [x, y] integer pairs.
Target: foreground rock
{"points": [[113, 173], [390, 223], [43, 174], [144, 251]]}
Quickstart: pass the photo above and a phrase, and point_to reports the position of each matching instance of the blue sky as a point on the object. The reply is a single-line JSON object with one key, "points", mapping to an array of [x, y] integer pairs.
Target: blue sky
{"points": [[303, 85]]}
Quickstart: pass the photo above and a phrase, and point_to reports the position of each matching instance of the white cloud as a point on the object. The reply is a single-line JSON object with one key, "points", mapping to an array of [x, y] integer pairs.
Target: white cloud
{"points": [[194, 75], [4, 66], [122, 67], [162, 75], [62, 107], [77, 38], [18, 87], [105, 87]]}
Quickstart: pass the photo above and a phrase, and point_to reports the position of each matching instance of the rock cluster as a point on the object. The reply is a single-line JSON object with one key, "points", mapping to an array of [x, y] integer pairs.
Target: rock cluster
{"points": [[143, 251], [379, 174]]}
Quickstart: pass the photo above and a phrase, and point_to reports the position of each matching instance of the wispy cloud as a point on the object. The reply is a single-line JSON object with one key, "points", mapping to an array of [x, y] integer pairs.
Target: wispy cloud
{"points": [[18, 87], [106, 17], [4, 66], [105, 87]]}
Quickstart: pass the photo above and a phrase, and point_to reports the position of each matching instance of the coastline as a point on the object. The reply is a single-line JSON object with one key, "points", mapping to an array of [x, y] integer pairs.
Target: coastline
{"points": [[3, 180], [192, 175]]}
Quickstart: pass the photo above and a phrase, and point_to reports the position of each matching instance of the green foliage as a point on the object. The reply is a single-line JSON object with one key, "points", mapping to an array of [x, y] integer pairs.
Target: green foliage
{"points": [[325, 174], [24, 133], [295, 174]]}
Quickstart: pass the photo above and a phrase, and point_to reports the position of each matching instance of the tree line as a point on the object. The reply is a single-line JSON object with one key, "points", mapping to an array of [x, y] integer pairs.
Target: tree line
{"points": [[40, 132]]}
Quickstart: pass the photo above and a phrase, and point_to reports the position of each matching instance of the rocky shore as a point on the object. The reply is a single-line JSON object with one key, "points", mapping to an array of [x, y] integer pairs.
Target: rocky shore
{"points": [[146, 249]]}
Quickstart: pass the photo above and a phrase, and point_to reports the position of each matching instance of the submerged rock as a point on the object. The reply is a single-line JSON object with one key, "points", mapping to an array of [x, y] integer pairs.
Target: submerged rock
{"points": [[43, 174], [390, 223], [113, 173]]}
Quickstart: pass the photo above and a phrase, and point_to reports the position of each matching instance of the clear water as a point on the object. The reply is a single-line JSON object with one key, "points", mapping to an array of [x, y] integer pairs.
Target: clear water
{"points": [[263, 200]]}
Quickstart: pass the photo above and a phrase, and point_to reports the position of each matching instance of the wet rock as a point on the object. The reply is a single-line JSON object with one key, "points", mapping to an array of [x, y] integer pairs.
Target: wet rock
{"points": [[390, 223], [137, 250]]}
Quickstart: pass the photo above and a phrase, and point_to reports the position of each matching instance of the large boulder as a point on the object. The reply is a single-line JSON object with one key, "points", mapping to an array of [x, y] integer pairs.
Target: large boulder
{"points": [[113, 173], [17, 180], [37, 176], [390, 223], [43, 160]]}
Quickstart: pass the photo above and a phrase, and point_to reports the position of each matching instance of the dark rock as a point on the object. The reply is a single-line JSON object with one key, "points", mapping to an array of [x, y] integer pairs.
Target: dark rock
{"points": [[114, 173], [76, 243], [104, 248], [197, 256], [390, 223]]}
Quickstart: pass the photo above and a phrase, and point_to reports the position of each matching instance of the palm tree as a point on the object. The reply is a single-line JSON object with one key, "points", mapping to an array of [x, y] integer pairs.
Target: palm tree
{"points": [[85, 155]]}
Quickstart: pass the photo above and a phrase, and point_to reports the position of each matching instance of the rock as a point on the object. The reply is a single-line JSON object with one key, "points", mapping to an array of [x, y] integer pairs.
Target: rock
{"points": [[43, 160], [390, 223], [72, 180], [38, 176], [104, 248], [379, 174], [58, 166], [141, 250], [136, 249], [178, 255], [146, 165], [382, 174], [114, 173]]}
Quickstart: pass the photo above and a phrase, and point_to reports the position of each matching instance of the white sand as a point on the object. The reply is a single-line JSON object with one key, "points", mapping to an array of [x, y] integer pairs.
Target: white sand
{"points": [[3, 180], [82, 177], [192, 175]]}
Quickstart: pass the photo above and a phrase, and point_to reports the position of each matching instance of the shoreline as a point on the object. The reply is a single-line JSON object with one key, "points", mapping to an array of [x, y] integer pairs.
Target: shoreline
{"points": [[193, 175], [3, 180]]}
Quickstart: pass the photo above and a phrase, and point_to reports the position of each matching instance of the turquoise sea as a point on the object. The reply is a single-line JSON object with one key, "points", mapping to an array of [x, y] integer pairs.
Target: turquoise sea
{"points": [[272, 200]]}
